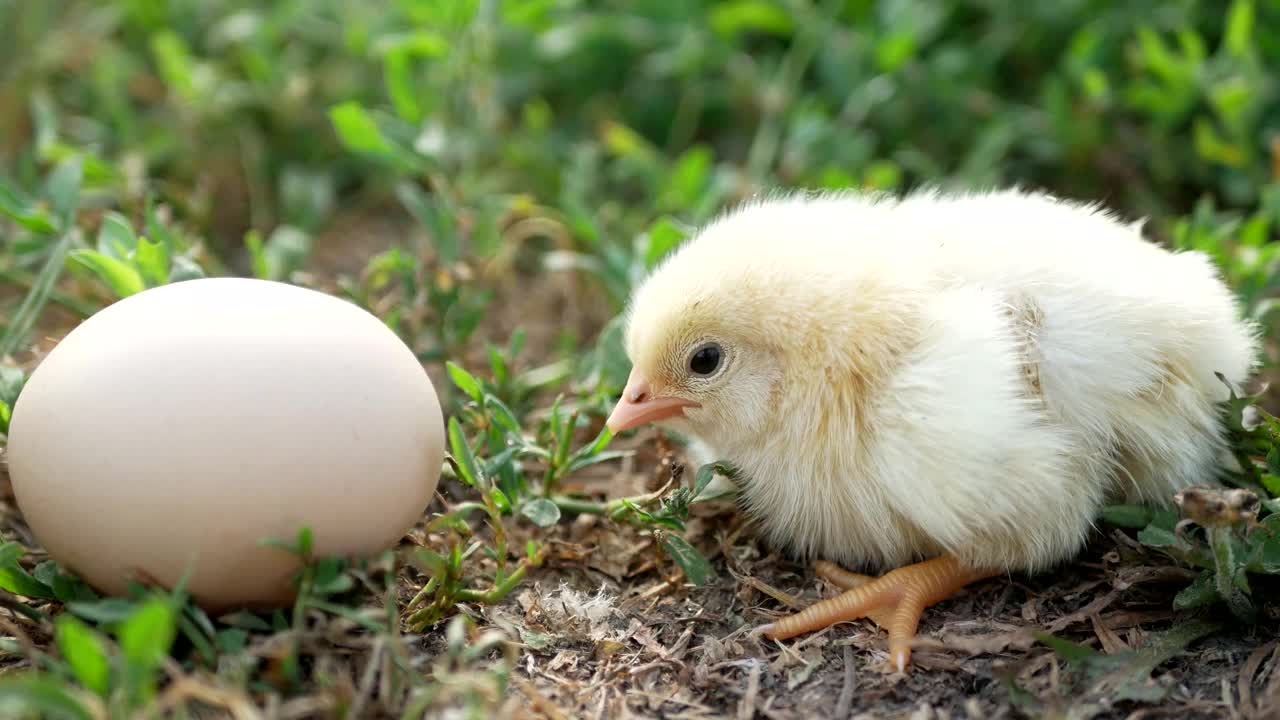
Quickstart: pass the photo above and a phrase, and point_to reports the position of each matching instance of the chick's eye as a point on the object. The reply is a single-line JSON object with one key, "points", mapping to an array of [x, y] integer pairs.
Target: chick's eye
{"points": [[705, 360]]}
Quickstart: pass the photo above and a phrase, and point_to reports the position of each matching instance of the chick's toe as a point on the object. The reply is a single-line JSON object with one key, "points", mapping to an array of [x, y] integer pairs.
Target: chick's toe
{"points": [[894, 601]]}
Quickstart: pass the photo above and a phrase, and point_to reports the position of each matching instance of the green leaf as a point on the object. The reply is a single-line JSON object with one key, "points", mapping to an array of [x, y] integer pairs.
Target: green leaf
{"points": [[330, 578], [247, 621], [883, 175], [705, 475], [85, 652], [598, 458], [497, 462], [157, 230], [233, 641], [1230, 579], [195, 626], [115, 236], [286, 251], [502, 415], [468, 470], [640, 512], [122, 278], [184, 268], [534, 640], [663, 237], [1238, 38], [357, 130], [24, 318], [68, 588], [1073, 653], [12, 380], [432, 562], [148, 634], [24, 212], [541, 511], [1271, 481], [1271, 555], [1158, 537], [397, 74], [306, 543], [44, 696], [595, 448], [1127, 516], [895, 49], [688, 179], [258, 257], [17, 580], [695, 566], [418, 43], [748, 16], [465, 381], [177, 67], [63, 188], [107, 611], [500, 500], [497, 365], [1199, 593], [436, 216], [152, 260], [563, 434]]}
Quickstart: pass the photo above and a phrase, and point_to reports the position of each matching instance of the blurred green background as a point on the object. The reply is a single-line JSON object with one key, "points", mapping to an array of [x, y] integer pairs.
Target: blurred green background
{"points": [[543, 137]]}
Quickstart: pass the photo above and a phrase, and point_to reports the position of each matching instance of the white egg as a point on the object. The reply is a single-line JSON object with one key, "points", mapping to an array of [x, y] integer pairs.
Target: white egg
{"points": [[179, 427]]}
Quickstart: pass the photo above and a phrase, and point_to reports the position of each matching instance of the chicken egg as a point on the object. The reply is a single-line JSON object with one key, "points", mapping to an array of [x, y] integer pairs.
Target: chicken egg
{"points": [[175, 430]]}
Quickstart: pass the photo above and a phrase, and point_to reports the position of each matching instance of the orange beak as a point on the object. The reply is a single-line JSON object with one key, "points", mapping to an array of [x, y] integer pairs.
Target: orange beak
{"points": [[638, 406]]}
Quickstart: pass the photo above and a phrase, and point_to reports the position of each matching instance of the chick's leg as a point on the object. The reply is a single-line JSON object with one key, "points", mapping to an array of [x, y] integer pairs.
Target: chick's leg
{"points": [[846, 580], [894, 601]]}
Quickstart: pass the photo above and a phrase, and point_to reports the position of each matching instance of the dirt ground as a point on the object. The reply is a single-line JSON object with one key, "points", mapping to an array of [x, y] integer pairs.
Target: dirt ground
{"points": [[607, 635]]}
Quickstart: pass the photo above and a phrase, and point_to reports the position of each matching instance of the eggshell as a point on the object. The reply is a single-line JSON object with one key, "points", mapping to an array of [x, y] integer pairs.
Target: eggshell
{"points": [[186, 423]]}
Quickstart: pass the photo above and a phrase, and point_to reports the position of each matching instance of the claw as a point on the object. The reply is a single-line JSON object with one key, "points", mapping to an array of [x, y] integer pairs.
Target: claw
{"points": [[894, 601]]}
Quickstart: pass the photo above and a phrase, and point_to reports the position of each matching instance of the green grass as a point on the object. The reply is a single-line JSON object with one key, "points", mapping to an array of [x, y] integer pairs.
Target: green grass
{"points": [[530, 144]]}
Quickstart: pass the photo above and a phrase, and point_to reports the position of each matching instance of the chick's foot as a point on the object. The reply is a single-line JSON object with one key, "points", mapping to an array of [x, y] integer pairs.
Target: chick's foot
{"points": [[894, 601]]}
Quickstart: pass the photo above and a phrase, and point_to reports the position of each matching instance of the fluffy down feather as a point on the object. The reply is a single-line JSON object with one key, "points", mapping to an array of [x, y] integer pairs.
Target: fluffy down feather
{"points": [[972, 375]]}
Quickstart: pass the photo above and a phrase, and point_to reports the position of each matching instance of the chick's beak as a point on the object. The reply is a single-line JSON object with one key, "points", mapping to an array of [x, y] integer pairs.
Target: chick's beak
{"points": [[639, 406]]}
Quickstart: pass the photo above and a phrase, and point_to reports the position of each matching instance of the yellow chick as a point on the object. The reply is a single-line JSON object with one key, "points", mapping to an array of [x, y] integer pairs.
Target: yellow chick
{"points": [[946, 386]]}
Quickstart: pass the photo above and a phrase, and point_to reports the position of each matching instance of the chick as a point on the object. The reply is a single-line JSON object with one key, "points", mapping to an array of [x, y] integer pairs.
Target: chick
{"points": [[944, 386]]}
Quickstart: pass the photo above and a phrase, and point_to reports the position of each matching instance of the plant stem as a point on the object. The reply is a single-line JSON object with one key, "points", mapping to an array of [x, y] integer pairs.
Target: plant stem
{"points": [[582, 507], [421, 597], [27, 281], [1225, 572], [502, 589], [591, 507], [25, 318], [467, 507]]}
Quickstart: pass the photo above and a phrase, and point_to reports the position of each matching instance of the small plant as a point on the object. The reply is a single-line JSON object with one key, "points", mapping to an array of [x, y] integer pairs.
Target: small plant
{"points": [[1094, 681], [45, 233], [1228, 534], [148, 654], [494, 463]]}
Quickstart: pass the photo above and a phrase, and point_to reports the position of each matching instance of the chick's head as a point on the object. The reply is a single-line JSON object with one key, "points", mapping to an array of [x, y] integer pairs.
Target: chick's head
{"points": [[696, 368], [770, 312], [714, 332]]}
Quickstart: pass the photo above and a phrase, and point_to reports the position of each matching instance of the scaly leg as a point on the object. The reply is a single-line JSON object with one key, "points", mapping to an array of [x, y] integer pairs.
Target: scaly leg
{"points": [[894, 601], [846, 580]]}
